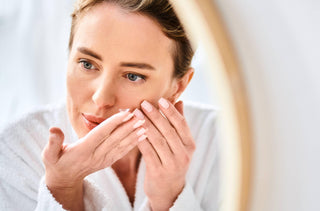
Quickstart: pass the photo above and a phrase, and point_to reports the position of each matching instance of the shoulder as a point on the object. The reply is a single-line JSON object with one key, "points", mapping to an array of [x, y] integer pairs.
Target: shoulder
{"points": [[203, 123], [204, 168], [200, 116], [21, 144], [194, 109]]}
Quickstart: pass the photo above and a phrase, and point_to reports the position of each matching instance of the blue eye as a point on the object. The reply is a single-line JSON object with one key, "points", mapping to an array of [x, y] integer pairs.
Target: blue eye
{"points": [[87, 65], [134, 77]]}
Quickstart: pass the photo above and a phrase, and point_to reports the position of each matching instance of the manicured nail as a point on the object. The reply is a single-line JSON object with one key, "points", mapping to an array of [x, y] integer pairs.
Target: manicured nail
{"points": [[124, 110], [141, 138], [128, 117], [164, 103], [138, 114], [141, 132], [138, 123], [147, 106]]}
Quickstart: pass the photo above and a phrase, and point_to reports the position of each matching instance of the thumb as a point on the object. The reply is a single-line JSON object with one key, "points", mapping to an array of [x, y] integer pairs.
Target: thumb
{"points": [[179, 107], [51, 153]]}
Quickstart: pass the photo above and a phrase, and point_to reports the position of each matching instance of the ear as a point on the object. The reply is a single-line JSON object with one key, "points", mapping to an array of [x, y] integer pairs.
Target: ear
{"points": [[180, 85]]}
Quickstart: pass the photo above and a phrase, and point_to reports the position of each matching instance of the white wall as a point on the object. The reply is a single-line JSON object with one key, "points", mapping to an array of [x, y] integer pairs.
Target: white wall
{"points": [[278, 44], [33, 56]]}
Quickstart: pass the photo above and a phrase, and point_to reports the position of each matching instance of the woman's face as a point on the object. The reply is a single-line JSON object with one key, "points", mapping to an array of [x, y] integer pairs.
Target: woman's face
{"points": [[117, 60]]}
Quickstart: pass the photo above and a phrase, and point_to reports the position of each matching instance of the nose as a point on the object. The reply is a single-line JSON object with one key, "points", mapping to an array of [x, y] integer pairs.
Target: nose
{"points": [[104, 95]]}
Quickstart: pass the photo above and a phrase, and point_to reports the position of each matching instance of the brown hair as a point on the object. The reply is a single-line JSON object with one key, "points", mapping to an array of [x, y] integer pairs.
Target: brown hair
{"points": [[159, 10]]}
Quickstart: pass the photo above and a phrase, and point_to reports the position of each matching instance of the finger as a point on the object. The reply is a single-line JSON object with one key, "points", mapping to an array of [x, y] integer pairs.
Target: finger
{"points": [[149, 154], [163, 125], [54, 146], [103, 130], [123, 147], [178, 121], [117, 136], [179, 107], [157, 140]]}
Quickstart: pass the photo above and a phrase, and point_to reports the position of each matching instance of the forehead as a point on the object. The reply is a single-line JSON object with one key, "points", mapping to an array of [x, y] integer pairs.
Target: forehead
{"points": [[116, 33]]}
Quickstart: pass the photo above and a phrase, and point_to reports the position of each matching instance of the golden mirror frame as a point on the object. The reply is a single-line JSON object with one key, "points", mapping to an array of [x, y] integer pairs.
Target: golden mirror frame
{"points": [[202, 21]]}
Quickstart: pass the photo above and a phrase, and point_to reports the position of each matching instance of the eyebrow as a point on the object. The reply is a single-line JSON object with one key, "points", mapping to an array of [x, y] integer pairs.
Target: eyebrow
{"points": [[138, 65], [89, 52]]}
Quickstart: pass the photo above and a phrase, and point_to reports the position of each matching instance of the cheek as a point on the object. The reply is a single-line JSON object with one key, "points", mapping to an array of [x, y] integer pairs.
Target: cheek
{"points": [[77, 89], [152, 92]]}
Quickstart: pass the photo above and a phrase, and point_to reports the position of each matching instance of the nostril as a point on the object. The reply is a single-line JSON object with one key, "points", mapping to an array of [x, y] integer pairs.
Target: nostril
{"points": [[103, 99]]}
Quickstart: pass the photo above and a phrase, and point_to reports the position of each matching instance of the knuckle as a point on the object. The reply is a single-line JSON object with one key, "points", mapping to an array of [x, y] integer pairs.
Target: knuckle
{"points": [[181, 120], [184, 160], [192, 146], [44, 155], [171, 130], [171, 112], [161, 141], [157, 118], [119, 147]]}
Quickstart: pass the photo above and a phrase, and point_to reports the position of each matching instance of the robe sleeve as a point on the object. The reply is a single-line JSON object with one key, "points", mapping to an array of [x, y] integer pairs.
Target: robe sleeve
{"points": [[22, 184], [93, 198], [186, 201]]}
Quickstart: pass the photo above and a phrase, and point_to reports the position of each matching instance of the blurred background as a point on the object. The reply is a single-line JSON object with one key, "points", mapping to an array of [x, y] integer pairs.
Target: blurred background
{"points": [[33, 55], [277, 43]]}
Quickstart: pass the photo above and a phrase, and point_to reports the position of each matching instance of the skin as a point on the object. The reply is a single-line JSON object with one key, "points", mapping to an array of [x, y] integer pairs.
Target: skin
{"points": [[126, 64]]}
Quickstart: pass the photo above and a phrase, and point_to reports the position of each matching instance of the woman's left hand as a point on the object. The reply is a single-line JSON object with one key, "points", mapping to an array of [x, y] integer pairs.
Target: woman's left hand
{"points": [[167, 152]]}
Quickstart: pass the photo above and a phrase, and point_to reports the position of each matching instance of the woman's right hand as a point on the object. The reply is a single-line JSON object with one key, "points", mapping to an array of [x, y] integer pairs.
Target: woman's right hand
{"points": [[66, 165]]}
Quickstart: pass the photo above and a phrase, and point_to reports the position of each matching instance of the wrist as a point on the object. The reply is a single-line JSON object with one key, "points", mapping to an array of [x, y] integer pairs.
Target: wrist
{"points": [[162, 203], [70, 197]]}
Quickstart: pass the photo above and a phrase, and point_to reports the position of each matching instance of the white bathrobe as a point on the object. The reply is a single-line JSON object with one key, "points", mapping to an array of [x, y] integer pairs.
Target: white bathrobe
{"points": [[22, 185]]}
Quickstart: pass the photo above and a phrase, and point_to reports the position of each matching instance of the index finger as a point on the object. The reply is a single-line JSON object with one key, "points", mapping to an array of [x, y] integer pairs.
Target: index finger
{"points": [[104, 129], [177, 120]]}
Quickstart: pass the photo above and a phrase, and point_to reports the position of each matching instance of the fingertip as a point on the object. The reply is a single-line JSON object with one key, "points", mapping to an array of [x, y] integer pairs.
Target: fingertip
{"points": [[128, 117], [56, 135], [54, 146], [138, 114], [56, 130], [164, 103], [142, 138]]}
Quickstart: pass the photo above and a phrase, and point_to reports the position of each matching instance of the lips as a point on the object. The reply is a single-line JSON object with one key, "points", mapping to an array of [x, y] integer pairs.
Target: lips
{"points": [[92, 121]]}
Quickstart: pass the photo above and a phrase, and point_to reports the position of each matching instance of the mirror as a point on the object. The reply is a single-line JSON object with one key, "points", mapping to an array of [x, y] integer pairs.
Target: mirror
{"points": [[204, 24]]}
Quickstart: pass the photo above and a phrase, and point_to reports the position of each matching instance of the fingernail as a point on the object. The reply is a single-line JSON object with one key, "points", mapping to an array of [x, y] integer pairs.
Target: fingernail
{"points": [[147, 106], [141, 132], [141, 138], [128, 117], [164, 103], [138, 114], [124, 110], [138, 123]]}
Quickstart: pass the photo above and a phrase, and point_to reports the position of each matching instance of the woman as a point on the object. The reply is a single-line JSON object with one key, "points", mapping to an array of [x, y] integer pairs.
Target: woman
{"points": [[129, 62]]}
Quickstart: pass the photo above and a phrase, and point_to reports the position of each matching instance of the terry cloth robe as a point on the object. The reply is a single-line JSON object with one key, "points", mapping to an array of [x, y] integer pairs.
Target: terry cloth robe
{"points": [[22, 185]]}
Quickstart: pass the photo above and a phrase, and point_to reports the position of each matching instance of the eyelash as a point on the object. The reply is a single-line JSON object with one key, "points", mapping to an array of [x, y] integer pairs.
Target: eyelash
{"points": [[142, 77], [83, 62]]}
